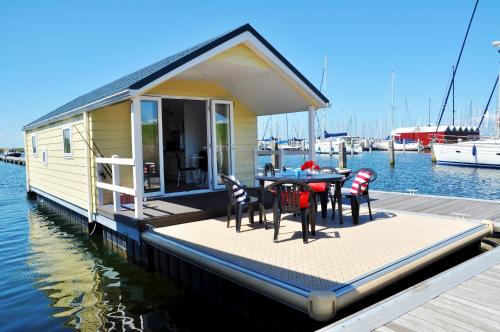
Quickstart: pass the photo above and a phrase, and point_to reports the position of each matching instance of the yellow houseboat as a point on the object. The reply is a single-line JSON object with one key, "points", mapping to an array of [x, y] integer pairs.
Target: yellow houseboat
{"points": [[168, 129]]}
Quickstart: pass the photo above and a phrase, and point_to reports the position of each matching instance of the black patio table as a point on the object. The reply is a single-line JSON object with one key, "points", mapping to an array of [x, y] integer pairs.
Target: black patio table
{"points": [[333, 178]]}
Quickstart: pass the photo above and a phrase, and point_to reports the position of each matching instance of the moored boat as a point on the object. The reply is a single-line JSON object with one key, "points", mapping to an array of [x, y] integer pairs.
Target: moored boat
{"points": [[479, 153]]}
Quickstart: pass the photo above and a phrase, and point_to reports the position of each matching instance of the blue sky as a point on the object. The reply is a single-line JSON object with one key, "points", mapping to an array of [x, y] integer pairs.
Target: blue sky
{"points": [[54, 51]]}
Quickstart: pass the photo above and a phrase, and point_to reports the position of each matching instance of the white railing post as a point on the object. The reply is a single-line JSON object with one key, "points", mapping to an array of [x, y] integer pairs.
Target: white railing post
{"points": [[312, 131], [115, 173], [137, 170], [255, 164]]}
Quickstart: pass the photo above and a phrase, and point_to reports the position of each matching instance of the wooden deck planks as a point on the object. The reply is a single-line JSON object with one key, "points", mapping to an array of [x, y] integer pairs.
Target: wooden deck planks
{"points": [[444, 206], [464, 298]]}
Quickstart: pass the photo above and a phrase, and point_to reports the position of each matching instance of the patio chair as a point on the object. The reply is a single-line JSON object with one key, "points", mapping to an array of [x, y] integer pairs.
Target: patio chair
{"points": [[331, 189], [360, 188], [203, 166], [181, 169], [293, 196], [239, 198]]}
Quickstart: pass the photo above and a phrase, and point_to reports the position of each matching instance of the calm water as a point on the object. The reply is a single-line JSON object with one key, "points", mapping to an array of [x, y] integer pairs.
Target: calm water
{"points": [[55, 278], [416, 171]]}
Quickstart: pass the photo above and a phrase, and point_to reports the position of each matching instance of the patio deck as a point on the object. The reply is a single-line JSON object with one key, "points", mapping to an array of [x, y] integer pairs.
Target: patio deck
{"points": [[168, 211], [340, 265]]}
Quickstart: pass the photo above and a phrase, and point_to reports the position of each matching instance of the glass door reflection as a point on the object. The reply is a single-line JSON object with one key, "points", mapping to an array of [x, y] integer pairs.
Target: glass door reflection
{"points": [[221, 140], [151, 146]]}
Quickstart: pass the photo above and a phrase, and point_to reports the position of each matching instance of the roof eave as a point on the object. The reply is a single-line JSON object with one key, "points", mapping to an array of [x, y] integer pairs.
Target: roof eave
{"points": [[110, 100], [161, 74]]}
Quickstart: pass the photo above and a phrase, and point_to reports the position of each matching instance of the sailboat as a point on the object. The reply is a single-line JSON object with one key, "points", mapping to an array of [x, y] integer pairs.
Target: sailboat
{"points": [[483, 152], [399, 145], [328, 143]]}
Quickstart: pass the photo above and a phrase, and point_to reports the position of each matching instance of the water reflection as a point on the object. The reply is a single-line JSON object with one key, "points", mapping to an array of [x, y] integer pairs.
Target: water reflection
{"points": [[86, 291]]}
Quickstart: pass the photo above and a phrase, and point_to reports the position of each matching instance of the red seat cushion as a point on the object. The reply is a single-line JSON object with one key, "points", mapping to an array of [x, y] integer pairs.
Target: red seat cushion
{"points": [[304, 199], [318, 187]]}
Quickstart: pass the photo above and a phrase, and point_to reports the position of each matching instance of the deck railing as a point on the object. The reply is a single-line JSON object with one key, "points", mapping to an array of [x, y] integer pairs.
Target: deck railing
{"points": [[116, 187]]}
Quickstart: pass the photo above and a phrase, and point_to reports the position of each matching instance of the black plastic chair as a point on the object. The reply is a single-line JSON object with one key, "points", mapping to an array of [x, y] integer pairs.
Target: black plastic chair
{"points": [[289, 197], [181, 169], [203, 166], [356, 198], [331, 191], [239, 198]]}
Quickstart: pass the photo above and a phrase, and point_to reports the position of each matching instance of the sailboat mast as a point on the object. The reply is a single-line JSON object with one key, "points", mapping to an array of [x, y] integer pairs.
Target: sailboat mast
{"points": [[392, 99], [453, 96], [429, 112]]}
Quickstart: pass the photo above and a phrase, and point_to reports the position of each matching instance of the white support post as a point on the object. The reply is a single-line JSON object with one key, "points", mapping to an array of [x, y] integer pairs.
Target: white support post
{"points": [[255, 164], [90, 198], [281, 158], [27, 160], [312, 131], [115, 173], [137, 156]]}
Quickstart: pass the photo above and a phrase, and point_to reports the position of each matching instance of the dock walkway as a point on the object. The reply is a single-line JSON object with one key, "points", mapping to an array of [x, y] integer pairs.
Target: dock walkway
{"points": [[13, 160], [464, 298], [476, 209]]}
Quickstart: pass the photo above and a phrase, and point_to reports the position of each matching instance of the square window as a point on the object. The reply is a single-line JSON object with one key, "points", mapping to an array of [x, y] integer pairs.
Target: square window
{"points": [[67, 142]]}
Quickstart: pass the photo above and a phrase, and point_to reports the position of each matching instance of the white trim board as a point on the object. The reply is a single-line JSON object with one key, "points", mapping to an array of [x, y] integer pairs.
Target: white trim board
{"points": [[390, 309]]}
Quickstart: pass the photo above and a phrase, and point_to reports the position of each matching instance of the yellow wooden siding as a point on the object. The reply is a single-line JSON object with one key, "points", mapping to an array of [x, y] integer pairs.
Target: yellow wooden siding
{"points": [[245, 121], [240, 55], [110, 131], [64, 178]]}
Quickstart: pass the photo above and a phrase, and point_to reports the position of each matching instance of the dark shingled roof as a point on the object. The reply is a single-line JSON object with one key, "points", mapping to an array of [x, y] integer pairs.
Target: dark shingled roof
{"points": [[144, 76]]}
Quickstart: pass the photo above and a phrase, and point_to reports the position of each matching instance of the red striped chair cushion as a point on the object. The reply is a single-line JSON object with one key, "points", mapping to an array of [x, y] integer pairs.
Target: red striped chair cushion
{"points": [[360, 182]]}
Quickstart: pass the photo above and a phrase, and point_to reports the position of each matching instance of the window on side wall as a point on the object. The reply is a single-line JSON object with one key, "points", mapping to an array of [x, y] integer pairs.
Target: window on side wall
{"points": [[67, 143], [34, 147], [45, 157]]}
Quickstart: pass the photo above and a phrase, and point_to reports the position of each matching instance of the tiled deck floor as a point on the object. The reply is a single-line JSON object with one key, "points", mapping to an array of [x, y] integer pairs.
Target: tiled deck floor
{"points": [[336, 256]]}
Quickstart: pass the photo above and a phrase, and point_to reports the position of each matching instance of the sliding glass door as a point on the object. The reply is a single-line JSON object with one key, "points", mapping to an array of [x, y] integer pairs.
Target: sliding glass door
{"points": [[152, 147], [222, 140]]}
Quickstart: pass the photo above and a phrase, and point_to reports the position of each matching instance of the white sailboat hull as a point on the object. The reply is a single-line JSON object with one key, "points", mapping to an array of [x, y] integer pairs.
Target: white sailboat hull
{"points": [[332, 147], [487, 153], [384, 145]]}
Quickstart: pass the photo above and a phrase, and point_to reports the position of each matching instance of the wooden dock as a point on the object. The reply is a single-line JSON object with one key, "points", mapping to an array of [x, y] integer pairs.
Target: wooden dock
{"points": [[466, 208], [464, 298], [13, 160]]}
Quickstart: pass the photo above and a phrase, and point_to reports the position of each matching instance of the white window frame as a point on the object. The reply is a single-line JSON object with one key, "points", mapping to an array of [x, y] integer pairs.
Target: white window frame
{"points": [[68, 155], [45, 160], [35, 145], [213, 140]]}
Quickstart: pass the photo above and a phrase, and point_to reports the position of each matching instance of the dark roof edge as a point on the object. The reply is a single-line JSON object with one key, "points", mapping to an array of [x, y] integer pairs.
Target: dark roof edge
{"points": [[111, 99], [230, 35]]}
